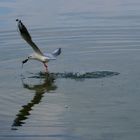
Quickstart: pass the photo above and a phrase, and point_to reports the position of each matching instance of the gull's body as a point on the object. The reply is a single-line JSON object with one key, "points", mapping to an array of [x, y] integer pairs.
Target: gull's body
{"points": [[37, 55]]}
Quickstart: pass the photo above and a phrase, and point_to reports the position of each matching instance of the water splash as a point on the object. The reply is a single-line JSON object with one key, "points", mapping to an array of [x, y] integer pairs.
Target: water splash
{"points": [[76, 75]]}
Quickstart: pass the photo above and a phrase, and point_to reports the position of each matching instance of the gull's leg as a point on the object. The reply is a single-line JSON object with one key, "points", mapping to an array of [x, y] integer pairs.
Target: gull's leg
{"points": [[46, 66]]}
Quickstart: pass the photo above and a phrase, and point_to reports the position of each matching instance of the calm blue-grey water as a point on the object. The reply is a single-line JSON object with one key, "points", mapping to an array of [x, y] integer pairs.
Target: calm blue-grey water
{"points": [[93, 91]]}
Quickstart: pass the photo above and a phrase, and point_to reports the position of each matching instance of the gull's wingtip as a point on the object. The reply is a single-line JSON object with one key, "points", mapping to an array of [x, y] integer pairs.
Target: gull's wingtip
{"points": [[57, 52]]}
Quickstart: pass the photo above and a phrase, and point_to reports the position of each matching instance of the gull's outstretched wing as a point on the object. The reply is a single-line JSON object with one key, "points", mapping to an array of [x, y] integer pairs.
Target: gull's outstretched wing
{"points": [[53, 55], [26, 36]]}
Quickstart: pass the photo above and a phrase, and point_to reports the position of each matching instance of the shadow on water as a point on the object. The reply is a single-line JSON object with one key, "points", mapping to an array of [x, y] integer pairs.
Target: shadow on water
{"points": [[40, 89], [49, 85]]}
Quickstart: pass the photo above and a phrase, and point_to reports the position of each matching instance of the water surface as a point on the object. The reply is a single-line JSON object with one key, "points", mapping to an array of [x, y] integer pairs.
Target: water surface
{"points": [[92, 91]]}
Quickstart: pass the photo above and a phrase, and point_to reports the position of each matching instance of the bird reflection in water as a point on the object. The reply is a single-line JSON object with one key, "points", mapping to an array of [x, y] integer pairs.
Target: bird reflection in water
{"points": [[40, 89]]}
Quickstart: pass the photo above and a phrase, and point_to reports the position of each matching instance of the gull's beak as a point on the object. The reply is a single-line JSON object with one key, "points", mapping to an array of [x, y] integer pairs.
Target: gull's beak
{"points": [[24, 61]]}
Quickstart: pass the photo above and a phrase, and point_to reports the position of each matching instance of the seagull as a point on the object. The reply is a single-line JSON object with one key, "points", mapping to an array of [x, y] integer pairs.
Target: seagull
{"points": [[37, 55]]}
